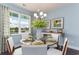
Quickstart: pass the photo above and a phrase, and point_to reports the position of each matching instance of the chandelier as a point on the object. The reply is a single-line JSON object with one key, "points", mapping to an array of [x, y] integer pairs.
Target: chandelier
{"points": [[40, 14]]}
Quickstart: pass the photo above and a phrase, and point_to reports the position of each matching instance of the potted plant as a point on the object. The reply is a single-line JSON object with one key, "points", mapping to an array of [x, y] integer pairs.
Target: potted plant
{"points": [[39, 24]]}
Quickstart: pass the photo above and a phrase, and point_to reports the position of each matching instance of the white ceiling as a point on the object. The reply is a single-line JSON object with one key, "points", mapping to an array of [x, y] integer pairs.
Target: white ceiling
{"points": [[42, 6]]}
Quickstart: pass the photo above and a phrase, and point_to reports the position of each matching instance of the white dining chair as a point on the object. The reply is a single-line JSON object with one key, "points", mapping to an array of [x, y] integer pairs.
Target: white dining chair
{"points": [[53, 51], [10, 47], [16, 39], [54, 40]]}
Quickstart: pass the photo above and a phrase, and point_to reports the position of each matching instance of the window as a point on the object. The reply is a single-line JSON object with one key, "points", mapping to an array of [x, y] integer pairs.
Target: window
{"points": [[24, 23], [19, 23], [14, 23]]}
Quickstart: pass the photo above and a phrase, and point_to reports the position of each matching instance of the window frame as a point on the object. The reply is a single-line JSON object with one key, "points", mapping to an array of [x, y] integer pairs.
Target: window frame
{"points": [[19, 17]]}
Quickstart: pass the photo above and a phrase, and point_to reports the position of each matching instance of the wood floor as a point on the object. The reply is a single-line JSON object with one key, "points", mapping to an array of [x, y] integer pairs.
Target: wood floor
{"points": [[72, 52]]}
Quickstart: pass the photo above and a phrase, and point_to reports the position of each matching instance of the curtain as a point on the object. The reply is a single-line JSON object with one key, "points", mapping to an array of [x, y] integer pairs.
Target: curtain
{"points": [[4, 27]]}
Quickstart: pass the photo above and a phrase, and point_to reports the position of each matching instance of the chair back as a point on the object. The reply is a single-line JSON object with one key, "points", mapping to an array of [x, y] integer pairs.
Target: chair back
{"points": [[34, 50], [64, 50], [10, 45], [55, 36]]}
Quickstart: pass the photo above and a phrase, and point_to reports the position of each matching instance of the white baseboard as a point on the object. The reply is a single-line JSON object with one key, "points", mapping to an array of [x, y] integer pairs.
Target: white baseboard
{"points": [[72, 47]]}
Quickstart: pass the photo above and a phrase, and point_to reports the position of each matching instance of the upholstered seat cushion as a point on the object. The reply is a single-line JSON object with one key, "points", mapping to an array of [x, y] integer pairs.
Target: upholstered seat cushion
{"points": [[53, 51], [17, 46]]}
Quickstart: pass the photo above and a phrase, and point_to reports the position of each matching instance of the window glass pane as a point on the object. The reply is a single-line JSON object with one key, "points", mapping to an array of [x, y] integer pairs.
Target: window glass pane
{"points": [[13, 14], [24, 23], [24, 17], [14, 23], [14, 30]]}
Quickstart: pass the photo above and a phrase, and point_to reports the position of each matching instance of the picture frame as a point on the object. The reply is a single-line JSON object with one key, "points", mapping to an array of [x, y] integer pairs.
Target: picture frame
{"points": [[57, 23]]}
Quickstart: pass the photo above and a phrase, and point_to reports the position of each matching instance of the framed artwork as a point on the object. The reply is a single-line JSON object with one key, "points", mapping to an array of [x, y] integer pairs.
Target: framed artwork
{"points": [[57, 23]]}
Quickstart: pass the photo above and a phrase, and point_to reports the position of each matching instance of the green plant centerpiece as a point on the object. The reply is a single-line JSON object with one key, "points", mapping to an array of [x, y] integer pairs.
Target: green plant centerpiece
{"points": [[39, 24]]}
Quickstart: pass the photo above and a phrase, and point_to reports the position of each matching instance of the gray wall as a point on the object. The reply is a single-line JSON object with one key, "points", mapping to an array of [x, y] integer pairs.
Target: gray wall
{"points": [[71, 22]]}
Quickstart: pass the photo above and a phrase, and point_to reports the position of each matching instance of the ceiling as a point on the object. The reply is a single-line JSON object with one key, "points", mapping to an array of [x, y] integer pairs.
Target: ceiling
{"points": [[41, 6]]}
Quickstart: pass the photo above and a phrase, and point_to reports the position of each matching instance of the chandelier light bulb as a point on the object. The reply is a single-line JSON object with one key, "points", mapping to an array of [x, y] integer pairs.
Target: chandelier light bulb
{"points": [[45, 15], [35, 14], [41, 13]]}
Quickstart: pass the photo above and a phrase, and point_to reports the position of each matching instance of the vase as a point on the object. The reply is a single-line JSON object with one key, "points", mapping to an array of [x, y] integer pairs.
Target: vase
{"points": [[38, 34]]}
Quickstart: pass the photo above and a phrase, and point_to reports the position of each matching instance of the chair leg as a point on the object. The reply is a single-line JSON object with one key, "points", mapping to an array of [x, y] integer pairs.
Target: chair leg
{"points": [[57, 45]]}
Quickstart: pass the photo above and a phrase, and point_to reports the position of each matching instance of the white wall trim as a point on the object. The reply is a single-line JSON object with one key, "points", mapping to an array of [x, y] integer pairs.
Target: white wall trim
{"points": [[73, 47]]}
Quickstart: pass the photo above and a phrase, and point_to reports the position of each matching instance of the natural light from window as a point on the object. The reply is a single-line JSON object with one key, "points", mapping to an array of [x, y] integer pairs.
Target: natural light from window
{"points": [[19, 23]]}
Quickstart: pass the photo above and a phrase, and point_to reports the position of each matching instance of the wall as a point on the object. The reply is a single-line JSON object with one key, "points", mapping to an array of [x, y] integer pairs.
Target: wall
{"points": [[71, 22]]}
